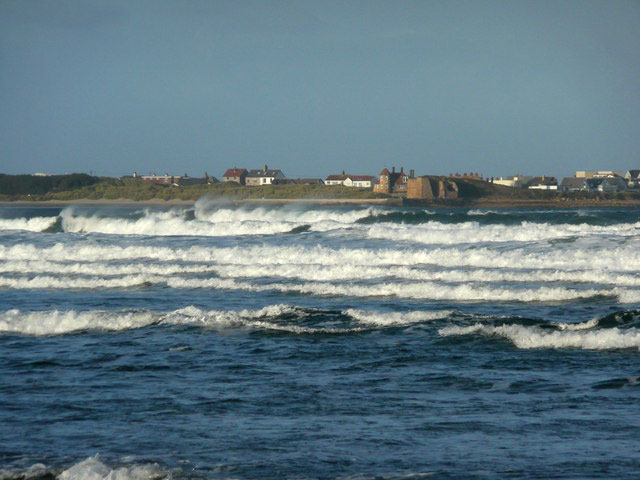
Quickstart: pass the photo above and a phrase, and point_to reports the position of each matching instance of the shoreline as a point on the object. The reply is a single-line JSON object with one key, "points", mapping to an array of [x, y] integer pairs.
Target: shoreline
{"points": [[478, 203]]}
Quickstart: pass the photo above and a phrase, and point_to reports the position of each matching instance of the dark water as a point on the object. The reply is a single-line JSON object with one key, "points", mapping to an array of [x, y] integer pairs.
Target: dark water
{"points": [[226, 342]]}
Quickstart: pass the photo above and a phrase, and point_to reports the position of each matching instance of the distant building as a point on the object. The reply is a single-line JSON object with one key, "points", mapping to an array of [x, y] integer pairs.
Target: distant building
{"points": [[165, 179], [543, 183], [237, 175], [348, 180], [632, 178], [514, 181], [573, 184], [597, 174], [335, 179], [263, 177], [426, 187], [467, 176], [606, 185], [392, 182]]}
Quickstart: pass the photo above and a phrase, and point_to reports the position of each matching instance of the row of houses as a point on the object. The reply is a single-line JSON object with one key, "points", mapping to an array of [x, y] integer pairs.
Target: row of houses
{"points": [[406, 184], [266, 176], [607, 181]]}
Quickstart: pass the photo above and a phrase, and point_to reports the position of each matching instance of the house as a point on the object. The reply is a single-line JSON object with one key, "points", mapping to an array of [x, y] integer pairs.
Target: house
{"points": [[235, 174], [513, 181], [263, 177], [542, 183], [597, 174], [426, 187], [572, 184], [335, 179], [612, 185], [360, 181], [165, 179], [633, 178], [392, 182]]}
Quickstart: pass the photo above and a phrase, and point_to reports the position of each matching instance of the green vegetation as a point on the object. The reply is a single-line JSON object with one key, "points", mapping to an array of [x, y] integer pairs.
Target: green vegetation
{"points": [[11, 185], [137, 190]]}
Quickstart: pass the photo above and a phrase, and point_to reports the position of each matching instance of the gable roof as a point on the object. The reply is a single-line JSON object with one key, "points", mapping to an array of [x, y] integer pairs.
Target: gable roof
{"points": [[235, 172], [572, 182], [360, 178], [337, 177], [263, 173]]}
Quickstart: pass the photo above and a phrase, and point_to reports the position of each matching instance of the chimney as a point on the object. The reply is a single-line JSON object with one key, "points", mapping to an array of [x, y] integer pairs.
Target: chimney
{"points": [[342, 172], [411, 174], [265, 168], [393, 169]]}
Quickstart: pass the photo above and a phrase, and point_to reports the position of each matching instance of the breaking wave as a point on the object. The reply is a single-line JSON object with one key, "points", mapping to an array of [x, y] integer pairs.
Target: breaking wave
{"points": [[624, 258], [91, 468], [35, 224], [283, 318], [594, 334]]}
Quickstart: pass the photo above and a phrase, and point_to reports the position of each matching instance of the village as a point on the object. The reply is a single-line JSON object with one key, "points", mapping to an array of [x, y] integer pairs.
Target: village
{"points": [[400, 183]]}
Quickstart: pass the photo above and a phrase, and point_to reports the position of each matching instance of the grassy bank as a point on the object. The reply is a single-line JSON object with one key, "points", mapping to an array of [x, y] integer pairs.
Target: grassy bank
{"points": [[139, 190]]}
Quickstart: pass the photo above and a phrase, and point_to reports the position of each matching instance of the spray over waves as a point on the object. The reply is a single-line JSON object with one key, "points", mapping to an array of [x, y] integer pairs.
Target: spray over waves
{"points": [[35, 224], [210, 219]]}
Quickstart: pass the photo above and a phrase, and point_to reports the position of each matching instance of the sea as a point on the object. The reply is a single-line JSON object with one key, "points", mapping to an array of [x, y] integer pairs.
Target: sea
{"points": [[226, 341]]}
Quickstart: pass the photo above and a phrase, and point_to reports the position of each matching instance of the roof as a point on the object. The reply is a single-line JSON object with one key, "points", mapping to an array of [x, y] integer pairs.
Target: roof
{"points": [[337, 177], [573, 182], [633, 173], [263, 173], [360, 178], [235, 172], [543, 181], [384, 172]]}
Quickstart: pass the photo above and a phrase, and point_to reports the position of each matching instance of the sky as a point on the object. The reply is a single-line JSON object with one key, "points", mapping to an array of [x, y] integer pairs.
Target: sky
{"points": [[317, 87]]}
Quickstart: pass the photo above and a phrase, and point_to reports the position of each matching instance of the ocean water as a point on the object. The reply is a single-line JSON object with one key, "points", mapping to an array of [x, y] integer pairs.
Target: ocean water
{"points": [[318, 342]]}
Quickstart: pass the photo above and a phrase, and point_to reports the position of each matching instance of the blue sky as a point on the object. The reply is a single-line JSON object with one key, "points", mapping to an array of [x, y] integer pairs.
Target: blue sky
{"points": [[313, 88]]}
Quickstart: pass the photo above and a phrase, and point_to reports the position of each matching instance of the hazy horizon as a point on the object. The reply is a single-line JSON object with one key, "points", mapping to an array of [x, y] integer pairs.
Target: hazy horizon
{"points": [[494, 87]]}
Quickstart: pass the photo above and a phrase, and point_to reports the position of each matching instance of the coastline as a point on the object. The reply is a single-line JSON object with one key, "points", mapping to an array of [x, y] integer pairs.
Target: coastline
{"points": [[222, 200], [468, 203]]}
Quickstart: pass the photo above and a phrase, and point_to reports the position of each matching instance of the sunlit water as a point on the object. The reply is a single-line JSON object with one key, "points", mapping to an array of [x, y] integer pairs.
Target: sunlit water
{"points": [[319, 342]]}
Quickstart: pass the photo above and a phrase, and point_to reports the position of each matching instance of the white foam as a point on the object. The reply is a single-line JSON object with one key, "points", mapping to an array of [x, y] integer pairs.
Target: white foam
{"points": [[536, 337], [64, 283], [57, 322], [93, 469], [35, 224], [212, 222], [425, 290], [616, 259], [436, 233], [101, 269], [369, 317], [61, 322]]}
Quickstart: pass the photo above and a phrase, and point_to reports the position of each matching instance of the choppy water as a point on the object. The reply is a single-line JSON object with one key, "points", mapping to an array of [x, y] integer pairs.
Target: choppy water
{"points": [[319, 342]]}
